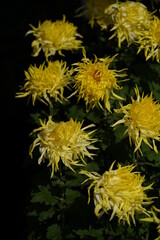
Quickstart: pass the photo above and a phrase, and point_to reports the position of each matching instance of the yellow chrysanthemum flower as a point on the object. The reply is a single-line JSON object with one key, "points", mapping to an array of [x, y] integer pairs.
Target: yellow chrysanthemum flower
{"points": [[120, 191], [149, 40], [95, 82], [142, 119], [54, 36], [65, 141], [45, 82], [96, 12], [129, 18], [154, 219]]}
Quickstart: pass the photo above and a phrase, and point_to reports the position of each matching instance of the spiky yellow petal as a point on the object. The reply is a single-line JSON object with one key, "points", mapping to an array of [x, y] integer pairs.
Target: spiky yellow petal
{"points": [[142, 120], [95, 82], [154, 219], [149, 40], [128, 19], [65, 141], [120, 191], [46, 82], [54, 36], [96, 12]]}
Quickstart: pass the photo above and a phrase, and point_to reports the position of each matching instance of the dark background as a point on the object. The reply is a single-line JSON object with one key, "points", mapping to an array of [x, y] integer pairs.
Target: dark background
{"points": [[17, 169]]}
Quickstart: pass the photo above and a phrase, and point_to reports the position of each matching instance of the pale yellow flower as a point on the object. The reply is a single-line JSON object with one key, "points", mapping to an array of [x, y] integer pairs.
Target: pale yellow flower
{"points": [[95, 82], [129, 18], [46, 82], [142, 119], [96, 12], [154, 219], [120, 191], [63, 141], [55, 36], [149, 40]]}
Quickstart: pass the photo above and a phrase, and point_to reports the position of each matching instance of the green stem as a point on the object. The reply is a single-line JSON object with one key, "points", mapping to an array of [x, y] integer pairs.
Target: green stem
{"points": [[63, 202], [149, 164], [136, 157]]}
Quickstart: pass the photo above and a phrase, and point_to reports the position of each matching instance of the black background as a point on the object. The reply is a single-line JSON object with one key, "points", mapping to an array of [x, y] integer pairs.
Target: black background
{"points": [[15, 51]]}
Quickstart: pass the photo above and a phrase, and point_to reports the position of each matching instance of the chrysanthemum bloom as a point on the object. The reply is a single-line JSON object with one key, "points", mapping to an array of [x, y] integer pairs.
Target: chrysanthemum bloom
{"points": [[154, 219], [142, 119], [130, 18], [149, 40], [65, 141], [46, 82], [119, 191], [95, 82], [55, 36], [96, 12]]}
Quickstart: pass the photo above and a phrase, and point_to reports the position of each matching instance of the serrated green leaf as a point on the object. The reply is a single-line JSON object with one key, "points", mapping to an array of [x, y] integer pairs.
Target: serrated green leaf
{"points": [[76, 112], [91, 232], [71, 195], [35, 117], [32, 213], [44, 196], [54, 232], [92, 166], [44, 215]]}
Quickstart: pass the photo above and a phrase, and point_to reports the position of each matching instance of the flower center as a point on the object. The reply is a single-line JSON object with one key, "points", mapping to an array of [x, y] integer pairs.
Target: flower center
{"points": [[96, 76]]}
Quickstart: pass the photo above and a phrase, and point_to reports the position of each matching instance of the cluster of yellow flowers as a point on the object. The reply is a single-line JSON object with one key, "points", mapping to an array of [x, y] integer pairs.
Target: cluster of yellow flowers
{"points": [[94, 81], [129, 21]]}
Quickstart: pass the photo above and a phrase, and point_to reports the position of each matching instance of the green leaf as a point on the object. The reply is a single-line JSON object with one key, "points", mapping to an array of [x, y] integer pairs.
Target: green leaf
{"points": [[35, 117], [32, 213], [92, 166], [70, 236], [103, 146], [54, 232], [44, 196], [76, 112], [71, 195], [44, 215], [119, 133], [94, 117], [91, 232], [74, 181], [82, 233]]}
